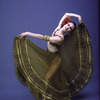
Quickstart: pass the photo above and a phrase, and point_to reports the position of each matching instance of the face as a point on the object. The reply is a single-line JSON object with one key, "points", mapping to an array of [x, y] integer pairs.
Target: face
{"points": [[68, 27]]}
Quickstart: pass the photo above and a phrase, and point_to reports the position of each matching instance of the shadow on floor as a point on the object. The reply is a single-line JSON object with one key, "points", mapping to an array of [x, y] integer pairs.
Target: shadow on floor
{"points": [[90, 95]]}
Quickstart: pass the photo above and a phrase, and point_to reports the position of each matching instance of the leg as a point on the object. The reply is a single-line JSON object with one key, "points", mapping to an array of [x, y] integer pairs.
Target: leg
{"points": [[53, 69]]}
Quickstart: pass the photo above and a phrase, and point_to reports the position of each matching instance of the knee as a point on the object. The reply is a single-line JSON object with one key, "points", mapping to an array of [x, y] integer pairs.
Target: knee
{"points": [[59, 60], [48, 77]]}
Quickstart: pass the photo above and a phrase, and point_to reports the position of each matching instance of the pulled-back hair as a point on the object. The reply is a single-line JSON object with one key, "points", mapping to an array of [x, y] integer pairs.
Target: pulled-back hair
{"points": [[68, 20], [74, 26], [65, 21]]}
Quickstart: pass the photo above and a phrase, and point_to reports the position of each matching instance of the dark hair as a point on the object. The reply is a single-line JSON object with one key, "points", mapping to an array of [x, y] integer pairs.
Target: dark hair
{"points": [[66, 21], [74, 25]]}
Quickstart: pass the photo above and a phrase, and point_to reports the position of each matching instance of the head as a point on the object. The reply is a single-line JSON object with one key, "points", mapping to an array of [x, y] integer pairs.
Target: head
{"points": [[68, 25]]}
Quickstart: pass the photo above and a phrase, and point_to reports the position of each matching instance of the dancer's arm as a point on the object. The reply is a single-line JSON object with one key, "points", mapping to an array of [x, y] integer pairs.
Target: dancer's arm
{"points": [[67, 15], [55, 39], [70, 15], [31, 34]]}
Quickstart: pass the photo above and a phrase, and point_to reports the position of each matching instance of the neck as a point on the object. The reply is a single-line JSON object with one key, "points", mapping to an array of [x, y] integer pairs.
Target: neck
{"points": [[61, 31]]}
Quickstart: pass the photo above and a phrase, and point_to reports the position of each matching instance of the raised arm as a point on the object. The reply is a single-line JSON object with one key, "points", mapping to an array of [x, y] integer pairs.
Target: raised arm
{"points": [[67, 15], [70, 15]]}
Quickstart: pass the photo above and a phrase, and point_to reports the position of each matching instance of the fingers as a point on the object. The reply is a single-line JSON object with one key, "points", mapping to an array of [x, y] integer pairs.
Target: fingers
{"points": [[20, 37], [80, 19], [23, 35]]}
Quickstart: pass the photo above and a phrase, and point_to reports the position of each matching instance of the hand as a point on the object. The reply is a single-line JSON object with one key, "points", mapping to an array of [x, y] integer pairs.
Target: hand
{"points": [[80, 19], [23, 34]]}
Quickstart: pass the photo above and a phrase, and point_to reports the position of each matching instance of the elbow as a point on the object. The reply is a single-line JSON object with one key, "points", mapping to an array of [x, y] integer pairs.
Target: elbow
{"points": [[55, 40], [66, 14]]}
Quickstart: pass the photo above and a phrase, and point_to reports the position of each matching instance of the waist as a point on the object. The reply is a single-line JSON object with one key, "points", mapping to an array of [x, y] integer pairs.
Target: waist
{"points": [[53, 47]]}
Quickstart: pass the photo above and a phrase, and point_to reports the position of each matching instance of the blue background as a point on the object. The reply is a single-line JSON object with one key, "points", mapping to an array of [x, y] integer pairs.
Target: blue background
{"points": [[42, 16]]}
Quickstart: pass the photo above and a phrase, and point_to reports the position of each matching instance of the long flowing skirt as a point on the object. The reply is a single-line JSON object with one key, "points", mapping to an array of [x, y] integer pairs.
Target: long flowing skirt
{"points": [[33, 63]]}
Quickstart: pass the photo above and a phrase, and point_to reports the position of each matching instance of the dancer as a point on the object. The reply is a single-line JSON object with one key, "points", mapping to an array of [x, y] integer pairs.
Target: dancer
{"points": [[55, 80]]}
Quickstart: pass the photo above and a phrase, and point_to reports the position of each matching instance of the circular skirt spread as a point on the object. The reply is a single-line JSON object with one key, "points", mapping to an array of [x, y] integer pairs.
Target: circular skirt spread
{"points": [[32, 64]]}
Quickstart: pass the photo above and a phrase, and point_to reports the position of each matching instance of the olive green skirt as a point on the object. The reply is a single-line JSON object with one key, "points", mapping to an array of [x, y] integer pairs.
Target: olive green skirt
{"points": [[33, 63]]}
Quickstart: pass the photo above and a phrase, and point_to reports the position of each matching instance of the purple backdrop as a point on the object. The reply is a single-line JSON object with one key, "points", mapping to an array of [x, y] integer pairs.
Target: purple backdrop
{"points": [[42, 16]]}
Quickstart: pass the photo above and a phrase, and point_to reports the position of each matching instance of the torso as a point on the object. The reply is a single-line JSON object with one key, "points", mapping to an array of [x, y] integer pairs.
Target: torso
{"points": [[54, 47]]}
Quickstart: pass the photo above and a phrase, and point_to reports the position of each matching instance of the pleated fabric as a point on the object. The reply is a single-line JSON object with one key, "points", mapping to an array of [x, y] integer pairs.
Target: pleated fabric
{"points": [[33, 63]]}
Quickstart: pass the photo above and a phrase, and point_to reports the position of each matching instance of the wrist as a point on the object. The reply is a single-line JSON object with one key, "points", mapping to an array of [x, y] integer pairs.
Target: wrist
{"points": [[79, 16], [46, 38]]}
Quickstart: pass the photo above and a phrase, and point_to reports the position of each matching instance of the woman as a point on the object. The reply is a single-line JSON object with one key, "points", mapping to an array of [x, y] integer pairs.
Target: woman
{"points": [[65, 26], [56, 84], [56, 40]]}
